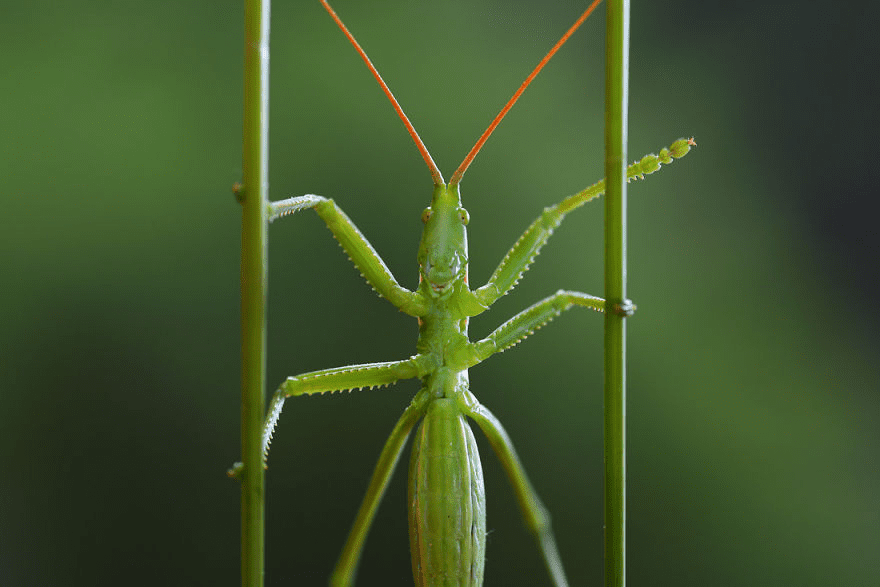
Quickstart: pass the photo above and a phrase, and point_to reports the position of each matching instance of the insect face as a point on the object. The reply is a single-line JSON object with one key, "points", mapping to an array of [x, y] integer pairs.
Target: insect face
{"points": [[443, 262]]}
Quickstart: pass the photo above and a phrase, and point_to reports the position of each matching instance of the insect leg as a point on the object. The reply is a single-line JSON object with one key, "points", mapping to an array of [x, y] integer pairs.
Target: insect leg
{"points": [[534, 513], [523, 252], [529, 320], [350, 377], [343, 574], [369, 375], [358, 249]]}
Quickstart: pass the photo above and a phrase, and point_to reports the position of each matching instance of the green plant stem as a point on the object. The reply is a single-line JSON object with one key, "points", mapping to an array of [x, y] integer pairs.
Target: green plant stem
{"points": [[616, 71], [254, 264]]}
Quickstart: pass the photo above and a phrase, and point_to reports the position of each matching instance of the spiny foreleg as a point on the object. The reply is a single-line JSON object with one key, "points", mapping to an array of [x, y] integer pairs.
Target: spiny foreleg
{"points": [[520, 256], [357, 247]]}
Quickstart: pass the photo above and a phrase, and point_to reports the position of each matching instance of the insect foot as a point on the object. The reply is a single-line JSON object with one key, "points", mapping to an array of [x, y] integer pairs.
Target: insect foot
{"points": [[235, 471], [626, 308]]}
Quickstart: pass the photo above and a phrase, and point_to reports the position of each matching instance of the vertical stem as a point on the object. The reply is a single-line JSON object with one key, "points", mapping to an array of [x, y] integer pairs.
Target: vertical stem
{"points": [[616, 72], [254, 264]]}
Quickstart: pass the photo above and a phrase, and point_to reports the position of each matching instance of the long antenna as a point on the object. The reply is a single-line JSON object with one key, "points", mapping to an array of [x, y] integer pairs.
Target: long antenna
{"points": [[456, 177], [435, 171]]}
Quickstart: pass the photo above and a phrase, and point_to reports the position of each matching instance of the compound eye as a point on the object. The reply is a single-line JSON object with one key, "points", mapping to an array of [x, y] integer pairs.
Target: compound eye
{"points": [[426, 215], [465, 217]]}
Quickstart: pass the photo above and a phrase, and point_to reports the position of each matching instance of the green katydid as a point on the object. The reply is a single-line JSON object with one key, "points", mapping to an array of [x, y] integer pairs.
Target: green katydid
{"points": [[446, 496]]}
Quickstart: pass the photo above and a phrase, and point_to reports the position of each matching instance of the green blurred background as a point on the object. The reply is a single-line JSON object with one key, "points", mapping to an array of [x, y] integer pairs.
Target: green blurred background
{"points": [[753, 358]]}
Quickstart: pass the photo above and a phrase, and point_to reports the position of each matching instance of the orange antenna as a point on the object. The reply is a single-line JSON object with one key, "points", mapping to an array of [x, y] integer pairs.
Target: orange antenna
{"points": [[435, 171], [456, 177]]}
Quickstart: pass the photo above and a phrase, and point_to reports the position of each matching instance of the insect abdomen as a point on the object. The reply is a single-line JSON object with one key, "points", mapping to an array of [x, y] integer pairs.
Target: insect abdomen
{"points": [[447, 513]]}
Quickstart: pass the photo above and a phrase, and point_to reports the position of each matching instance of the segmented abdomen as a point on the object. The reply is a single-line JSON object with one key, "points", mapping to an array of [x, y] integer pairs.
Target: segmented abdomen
{"points": [[447, 513]]}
